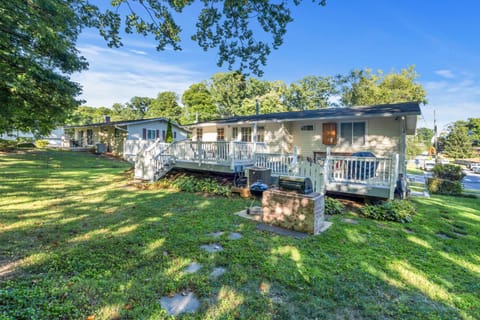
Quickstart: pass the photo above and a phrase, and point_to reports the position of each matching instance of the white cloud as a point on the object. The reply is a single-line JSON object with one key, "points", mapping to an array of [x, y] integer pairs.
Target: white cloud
{"points": [[143, 53], [445, 73], [117, 75]]}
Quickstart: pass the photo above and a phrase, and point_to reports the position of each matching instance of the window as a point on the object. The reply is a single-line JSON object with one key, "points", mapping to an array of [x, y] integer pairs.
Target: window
{"points": [[234, 134], [117, 133], [308, 127], [353, 133], [329, 133], [260, 134], [199, 134], [150, 134], [220, 134], [246, 133]]}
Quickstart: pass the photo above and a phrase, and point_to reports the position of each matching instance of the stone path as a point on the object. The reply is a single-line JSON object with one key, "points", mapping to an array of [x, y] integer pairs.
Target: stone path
{"points": [[217, 272], [179, 303], [192, 267], [348, 220], [212, 248], [234, 236]]}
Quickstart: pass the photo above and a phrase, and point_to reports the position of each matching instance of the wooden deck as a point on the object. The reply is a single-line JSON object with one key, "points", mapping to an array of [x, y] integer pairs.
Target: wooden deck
{"points": [[361, 176]]}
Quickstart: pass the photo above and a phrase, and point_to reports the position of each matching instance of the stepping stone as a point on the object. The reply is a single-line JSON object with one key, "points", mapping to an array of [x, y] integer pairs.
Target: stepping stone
{"points": [[234, 236], [212, 248], [192, 267], [179, 303], [217, 272], [409, 231], [444, 236], [348, 220], [216, 234]]}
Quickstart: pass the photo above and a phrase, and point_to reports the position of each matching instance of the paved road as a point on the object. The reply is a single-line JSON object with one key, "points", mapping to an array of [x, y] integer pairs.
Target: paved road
{"points": [[470, 182]]}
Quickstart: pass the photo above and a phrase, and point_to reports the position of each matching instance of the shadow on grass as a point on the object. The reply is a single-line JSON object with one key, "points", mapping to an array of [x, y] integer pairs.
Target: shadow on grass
{"points": [[85, 246]]}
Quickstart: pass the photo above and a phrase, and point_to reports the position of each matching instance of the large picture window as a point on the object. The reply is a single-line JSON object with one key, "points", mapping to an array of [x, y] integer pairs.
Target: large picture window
{"points": [[246, 134], [353, 133], [150, 134], [260, 134]]}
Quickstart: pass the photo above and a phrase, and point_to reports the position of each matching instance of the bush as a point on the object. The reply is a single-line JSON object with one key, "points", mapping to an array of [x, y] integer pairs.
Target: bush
{"points": [[41, 143], [207, 185], [442, 186], [396, 210], [333, 206], [7, 145], [448, 172]]}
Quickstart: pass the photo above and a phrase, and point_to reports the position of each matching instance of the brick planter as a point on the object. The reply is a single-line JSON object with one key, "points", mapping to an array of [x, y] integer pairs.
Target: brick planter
{"points": [[289, 210]]}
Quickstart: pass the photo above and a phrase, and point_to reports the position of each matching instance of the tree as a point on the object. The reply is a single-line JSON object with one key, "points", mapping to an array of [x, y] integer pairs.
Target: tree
{"points": [[363, 87], [197, 100], [169, 135], [228, 90], [311, 92], [270, 96], [37, 57], [165, 105], [38, 54], [458, 143], [88, 115], [425, 136], [474, 130]]}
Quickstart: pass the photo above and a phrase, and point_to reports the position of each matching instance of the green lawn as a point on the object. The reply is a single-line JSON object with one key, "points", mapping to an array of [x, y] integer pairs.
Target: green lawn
{"points": [[77, 241]]}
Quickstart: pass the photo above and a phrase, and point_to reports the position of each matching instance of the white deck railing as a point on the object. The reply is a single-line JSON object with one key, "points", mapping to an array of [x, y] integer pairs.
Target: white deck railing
{"points": [[280, 164]]}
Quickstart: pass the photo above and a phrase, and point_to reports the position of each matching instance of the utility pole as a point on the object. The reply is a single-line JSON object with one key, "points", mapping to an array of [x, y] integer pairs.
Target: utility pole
{"points": [[435, 135]]}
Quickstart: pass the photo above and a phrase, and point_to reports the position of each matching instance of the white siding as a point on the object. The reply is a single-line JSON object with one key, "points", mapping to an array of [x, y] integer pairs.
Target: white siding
{"points": [[135, 131]]}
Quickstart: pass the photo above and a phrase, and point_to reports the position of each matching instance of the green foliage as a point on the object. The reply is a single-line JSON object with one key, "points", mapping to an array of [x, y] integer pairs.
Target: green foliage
{"points": [[333, 206], [311, 92], [193, 184], [198, 100], [169, 135], [448, 171], [41, 144], [88, 115], [474, 130], [395, 210], [166, 106], [458, 144], [7, 145], [425, 135], [37, 57], [443, 186], [364, 87]]}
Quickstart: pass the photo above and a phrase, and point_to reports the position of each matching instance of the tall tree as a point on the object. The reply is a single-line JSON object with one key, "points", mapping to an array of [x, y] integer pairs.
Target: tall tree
{"points": [[88, 115], [311, 92], [165, 105], [37, 57], [139, 106], [228, 90], [425, 136], [458, 144], [38, 54], [270, 96], [364, 87], [197, 100], [474, 130]]}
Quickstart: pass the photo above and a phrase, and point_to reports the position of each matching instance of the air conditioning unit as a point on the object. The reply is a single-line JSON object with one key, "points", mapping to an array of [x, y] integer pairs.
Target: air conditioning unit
{"points": [[258, 174]]}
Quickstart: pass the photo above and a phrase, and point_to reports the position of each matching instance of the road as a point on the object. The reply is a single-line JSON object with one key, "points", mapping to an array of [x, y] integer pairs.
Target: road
{"points": [[470, 182]]}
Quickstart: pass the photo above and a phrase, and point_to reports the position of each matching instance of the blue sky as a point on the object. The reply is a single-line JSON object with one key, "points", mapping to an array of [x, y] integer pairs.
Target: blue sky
{"points": [[439, 37]]}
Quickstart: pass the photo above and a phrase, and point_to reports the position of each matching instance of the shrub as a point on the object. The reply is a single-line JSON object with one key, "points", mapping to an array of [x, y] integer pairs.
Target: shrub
{"points": [[7, 145], [448, 172], [333, 206], [193, 184], [442, 186], [396, 210], [41, 143]]}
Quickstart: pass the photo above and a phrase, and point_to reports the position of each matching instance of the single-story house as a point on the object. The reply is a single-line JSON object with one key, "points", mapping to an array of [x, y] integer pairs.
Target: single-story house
{"points": [[114, 135], [380, 129], [54, 138]]}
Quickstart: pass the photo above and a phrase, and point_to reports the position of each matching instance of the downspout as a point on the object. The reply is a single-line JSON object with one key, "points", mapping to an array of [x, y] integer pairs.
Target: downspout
{"points": [[403, 146]]}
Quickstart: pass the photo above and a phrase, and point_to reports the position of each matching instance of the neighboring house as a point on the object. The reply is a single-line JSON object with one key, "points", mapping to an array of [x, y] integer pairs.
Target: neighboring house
{"points": [[54, 138], [380, 129], [114, 136]]}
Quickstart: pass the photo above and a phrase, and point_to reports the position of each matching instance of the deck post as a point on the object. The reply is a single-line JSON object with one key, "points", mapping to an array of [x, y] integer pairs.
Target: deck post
{"points": [[326, 166], [200, 151], [393, 174], [232, 154]]}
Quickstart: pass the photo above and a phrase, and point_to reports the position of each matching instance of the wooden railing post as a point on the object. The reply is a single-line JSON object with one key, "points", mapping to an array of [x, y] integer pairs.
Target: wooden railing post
{"points": [[393, 175]]}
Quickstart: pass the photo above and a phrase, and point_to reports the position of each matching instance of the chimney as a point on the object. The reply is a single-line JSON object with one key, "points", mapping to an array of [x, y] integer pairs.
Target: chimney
{"points": [[107, 119]]}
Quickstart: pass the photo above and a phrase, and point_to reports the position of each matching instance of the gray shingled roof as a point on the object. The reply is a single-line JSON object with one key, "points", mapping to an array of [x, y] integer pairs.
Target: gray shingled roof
{"points": [[382, 110], [123, 123]]}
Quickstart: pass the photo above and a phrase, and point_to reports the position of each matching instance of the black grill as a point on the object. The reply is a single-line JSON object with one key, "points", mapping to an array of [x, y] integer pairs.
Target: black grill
{"points": [[302, 185]]}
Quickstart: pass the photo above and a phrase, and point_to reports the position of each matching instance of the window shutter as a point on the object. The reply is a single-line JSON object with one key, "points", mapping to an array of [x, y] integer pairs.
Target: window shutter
{"points": [[144, 133], [157, 133], [174, 135], [163, 135], [329, 133]]}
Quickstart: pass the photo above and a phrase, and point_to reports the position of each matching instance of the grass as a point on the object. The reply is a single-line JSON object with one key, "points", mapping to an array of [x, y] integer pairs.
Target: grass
{"points": [[77, 241]]}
